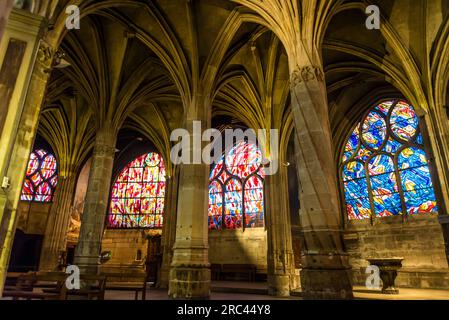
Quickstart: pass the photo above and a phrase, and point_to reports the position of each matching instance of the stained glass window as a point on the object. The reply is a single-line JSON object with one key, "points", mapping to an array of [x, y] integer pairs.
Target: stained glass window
{"points": [[385, 171], [40, 178], [137, 199], [236, 194]]}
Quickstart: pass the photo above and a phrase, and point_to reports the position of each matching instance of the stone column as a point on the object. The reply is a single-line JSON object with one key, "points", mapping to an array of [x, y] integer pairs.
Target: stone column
{"points": [[20, 103], [190, 268], [281, 262], [435, 129], [55, 236], [87, 252], [326, 270], [169, 229]]}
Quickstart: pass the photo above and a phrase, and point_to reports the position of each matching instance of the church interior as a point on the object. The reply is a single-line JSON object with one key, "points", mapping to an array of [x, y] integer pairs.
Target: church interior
{"points": [[91, 92]]}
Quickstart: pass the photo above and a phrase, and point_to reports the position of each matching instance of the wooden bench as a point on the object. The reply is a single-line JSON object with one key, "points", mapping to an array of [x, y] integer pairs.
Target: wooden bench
{"points": [[52, 286], [91, 286], [26, 284], [127, 282], [247, 270]]}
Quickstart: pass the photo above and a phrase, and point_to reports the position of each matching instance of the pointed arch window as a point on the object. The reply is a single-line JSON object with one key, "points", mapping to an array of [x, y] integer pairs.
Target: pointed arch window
{"points": [[236, 189], [384, 168], [41, 177], [138, 194]]}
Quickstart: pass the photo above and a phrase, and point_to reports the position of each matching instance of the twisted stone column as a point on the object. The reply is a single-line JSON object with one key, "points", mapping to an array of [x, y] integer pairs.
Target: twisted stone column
{"points": [[169, 229], [326, 270], [281, 262], [87, 252], [190, 273], [55, 237]]}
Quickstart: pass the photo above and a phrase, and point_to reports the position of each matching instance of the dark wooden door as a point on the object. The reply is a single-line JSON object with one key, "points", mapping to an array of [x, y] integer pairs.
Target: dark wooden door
{"points": [[154, 258]]}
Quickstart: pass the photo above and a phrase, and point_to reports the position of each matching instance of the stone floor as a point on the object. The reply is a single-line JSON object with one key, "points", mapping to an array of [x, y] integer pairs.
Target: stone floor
{"points": [[228, 290], [404, 294], [157, 294]]}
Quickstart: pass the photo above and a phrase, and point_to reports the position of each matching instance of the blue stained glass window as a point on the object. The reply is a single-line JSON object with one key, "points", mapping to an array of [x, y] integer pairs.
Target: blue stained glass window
{"points": [[374, 132], [353, 170], [384, 168]]}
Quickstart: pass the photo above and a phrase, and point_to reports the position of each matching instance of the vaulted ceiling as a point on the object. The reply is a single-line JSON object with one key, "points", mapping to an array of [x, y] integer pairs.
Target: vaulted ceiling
{"points": [[140, 64]]}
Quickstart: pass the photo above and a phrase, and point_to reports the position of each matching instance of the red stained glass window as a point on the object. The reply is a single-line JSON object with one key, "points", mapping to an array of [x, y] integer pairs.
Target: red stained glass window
{"points": [[137, 198], [236, 195], [40, 177]]}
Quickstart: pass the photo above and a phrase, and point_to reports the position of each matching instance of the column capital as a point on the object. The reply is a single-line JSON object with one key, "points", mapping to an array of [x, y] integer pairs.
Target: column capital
{"points": [[103, 150], [305, 74], [45, 55]]}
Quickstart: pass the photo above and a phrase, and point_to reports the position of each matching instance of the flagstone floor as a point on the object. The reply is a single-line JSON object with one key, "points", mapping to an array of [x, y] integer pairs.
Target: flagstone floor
{"points": [[228, 290]]}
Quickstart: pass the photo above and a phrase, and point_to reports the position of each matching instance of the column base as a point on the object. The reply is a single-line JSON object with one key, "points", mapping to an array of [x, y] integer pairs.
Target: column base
{"points": [[279, 285], [189, 282], [326, 284], [326, 276]]}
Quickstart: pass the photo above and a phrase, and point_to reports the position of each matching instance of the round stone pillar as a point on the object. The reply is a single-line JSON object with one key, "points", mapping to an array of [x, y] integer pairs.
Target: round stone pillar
{"points": [[87, 252]]}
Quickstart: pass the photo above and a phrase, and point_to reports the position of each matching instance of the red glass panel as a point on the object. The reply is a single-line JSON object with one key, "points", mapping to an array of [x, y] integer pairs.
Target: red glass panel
{"points": [[40, 177], [244, 164], [140, 190]]}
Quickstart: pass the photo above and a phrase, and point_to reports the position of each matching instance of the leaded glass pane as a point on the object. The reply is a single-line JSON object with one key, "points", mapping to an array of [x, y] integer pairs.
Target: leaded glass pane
{"points": [[137, 197]]}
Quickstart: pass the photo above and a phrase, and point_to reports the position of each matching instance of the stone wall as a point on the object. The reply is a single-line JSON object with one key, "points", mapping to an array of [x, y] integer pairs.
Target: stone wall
{"points": [[124, 245], [225, 247], [239, 247], [33, 217], [418, 239]]}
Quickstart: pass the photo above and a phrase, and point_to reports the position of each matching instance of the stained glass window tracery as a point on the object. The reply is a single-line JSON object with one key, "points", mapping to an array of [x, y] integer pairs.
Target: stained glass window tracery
{"points": [[384, 169], [138, 194], [236, 194], [41, 177]]}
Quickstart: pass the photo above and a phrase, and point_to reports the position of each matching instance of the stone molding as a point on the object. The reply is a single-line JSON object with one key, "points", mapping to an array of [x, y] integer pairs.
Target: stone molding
{"points": [[103, 150], [306, 74], [45, 55]]}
